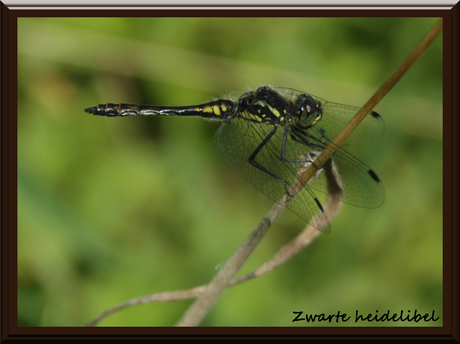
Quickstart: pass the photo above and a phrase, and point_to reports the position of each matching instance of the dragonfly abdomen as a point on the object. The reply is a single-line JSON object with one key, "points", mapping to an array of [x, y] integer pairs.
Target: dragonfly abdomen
{"points": [[111, 109], [218, 109]]}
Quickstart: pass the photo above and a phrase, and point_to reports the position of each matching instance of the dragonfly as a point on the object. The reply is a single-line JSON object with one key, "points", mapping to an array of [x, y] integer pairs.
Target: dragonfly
{"points": [[271, 133]]}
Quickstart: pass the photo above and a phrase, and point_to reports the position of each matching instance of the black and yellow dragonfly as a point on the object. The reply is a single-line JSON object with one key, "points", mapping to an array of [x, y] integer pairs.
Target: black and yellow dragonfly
{"points": [[269, 134]]}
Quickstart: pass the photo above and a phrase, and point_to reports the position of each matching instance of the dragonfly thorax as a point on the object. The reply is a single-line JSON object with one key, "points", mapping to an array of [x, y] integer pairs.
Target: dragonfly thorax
{"points": [[264, 105]]}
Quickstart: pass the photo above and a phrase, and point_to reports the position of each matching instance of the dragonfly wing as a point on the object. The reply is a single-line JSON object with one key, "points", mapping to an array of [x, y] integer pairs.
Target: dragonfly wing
{"points": [[336, 116], [239, 139], [361, 186]]}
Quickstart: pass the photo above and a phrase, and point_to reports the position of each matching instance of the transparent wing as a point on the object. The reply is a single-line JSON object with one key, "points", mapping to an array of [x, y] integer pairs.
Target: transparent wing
{"points": [[361, 185], [239, 139]]}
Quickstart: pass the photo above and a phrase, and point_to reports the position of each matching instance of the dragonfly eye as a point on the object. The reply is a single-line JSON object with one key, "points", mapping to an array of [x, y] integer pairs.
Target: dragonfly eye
{"points": [[306, 111]]}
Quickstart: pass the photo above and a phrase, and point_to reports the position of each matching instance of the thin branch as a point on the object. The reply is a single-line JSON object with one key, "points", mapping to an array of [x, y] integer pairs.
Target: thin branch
{"points": [[165, 296], [331, 208], [372, 102], [203, 304]]}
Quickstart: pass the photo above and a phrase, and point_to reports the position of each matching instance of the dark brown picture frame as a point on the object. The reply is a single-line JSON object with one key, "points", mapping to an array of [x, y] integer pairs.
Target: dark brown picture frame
{"points": [[451, 190]]}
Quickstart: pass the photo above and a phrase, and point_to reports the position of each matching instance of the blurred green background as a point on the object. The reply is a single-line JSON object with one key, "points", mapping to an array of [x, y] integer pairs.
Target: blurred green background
{"points": [[114, 208]]}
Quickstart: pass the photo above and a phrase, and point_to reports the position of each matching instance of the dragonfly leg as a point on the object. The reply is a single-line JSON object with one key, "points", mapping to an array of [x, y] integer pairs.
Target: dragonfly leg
{"points": [[304, 160], [253, 162]]}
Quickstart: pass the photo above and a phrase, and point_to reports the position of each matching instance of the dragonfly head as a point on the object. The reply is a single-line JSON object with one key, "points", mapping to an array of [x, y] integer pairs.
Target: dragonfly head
{"points": [[306, 111]]}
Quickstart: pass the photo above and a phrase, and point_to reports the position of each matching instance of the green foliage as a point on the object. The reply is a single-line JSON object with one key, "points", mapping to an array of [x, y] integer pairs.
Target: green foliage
{"points": [[114, 208]]}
